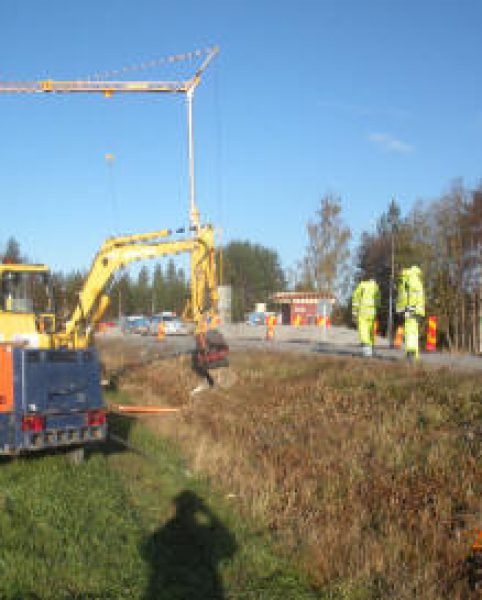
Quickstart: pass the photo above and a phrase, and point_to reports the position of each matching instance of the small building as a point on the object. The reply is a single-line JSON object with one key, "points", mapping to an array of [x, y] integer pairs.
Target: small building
{"points": [[303, 307]]}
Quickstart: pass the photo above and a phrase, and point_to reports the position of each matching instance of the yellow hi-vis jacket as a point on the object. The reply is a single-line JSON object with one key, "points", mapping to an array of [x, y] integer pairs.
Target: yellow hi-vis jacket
{"points": [[410, 291], [365, 300]]}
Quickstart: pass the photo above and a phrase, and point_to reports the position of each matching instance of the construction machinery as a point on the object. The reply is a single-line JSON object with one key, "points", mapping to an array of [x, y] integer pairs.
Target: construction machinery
{"points": [[50, 393]]}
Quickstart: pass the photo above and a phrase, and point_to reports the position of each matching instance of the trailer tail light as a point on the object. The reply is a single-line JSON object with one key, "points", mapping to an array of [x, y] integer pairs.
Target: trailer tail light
{"points": [[33, 423], [95, 418]]}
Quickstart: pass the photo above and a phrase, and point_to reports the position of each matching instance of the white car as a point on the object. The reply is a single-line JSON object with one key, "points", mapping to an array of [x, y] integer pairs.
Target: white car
{"points": [[172, 325]]}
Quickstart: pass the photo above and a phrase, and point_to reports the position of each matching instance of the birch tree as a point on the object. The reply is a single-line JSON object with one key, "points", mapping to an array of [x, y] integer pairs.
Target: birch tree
{"points": [[325, 266]]}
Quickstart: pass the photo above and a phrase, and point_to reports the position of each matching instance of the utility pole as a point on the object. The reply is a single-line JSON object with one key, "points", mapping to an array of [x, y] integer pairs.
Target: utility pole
{"points": [[479, 312], [120, 304], [392, 281]]}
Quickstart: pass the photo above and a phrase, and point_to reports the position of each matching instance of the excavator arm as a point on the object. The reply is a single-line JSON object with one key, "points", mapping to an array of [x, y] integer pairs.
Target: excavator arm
{"points": [[117, 253]]}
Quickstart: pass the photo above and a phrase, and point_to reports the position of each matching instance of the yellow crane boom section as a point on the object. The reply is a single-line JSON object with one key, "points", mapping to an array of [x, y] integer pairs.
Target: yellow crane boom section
{"points": [[109, 87], [104, 87]]}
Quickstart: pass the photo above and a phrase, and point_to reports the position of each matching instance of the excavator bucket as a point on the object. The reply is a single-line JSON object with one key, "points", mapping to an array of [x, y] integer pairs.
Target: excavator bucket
{"points": [[211, 354], [211, 351]]}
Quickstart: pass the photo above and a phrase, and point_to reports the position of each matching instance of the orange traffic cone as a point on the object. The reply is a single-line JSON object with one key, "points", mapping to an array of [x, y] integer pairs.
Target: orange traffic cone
{"points": [[270, 324], [161, 331], [431, 345], [399, 337]]}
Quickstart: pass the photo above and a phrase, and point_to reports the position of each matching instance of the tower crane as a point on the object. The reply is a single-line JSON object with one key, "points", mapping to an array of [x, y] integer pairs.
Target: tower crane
{"points": [[49, 372], [110, 87]]}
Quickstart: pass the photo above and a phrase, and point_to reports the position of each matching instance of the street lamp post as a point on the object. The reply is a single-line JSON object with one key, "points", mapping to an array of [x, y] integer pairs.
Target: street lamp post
{"points": [[390, 296]]}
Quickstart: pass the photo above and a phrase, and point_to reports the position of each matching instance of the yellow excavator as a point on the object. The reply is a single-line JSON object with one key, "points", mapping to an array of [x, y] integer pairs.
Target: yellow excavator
{"points": [[50, 393], [26, 310]]}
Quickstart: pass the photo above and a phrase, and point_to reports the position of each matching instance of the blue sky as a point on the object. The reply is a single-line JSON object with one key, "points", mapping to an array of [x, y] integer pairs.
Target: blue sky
{"points": [[366, 99]]}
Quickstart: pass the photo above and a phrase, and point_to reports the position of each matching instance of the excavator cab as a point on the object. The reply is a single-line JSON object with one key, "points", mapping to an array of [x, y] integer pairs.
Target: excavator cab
{"points": [[26, 305]]}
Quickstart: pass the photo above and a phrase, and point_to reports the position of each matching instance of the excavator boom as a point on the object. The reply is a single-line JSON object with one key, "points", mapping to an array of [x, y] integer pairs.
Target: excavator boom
{"points": [[20, 321], [117, 253]]}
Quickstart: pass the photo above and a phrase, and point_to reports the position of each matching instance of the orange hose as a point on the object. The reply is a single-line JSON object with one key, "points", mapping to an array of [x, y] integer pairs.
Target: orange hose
{"points": [[145, 409]]}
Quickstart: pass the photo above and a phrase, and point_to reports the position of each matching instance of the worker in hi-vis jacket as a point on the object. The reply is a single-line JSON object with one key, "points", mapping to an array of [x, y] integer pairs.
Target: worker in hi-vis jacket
{"points": [[365, 304], [411, 304]]}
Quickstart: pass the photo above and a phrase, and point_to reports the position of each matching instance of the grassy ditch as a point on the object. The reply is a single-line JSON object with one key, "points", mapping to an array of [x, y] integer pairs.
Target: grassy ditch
{"points": [[129, 525], [367, 475]]}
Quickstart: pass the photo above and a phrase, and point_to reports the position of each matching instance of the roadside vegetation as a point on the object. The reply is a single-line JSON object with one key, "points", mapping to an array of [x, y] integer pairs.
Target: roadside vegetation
{"points": [[129, 525], [296, 478], [365, 475]]}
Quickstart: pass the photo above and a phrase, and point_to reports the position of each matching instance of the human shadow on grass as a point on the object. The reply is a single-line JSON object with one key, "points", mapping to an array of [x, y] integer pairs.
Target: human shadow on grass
{"points": [[185, 554]]}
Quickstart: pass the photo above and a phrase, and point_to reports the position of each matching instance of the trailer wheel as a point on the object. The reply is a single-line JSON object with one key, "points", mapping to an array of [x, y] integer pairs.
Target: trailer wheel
{"points": [[76, 456]]}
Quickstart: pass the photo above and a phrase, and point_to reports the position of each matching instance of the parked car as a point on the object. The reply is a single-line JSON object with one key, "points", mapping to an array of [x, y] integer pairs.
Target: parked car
{"points": [[142, 326], [255, 318], [138, 325], [172, 324]]}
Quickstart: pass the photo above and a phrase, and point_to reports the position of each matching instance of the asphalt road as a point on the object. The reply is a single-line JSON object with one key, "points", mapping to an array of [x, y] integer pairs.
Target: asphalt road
{"points": [[336, 341]]}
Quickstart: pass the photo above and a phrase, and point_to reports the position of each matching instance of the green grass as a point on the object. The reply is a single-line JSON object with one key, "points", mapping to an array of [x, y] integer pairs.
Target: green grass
{"points": [[127, 525]]}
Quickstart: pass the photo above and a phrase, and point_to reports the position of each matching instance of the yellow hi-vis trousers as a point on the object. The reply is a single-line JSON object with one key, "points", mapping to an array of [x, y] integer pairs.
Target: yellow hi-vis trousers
{"points": [[411, 334], [366, 330]]}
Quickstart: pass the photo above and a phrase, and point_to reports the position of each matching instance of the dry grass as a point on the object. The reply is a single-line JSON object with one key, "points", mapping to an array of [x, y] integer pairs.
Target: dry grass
{"points": [[367, 474]]}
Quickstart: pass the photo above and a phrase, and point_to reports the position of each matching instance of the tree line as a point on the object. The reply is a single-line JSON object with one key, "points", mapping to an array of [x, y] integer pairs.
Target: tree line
{"points": [[145, 293], [443, 236], [253, 272]]}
